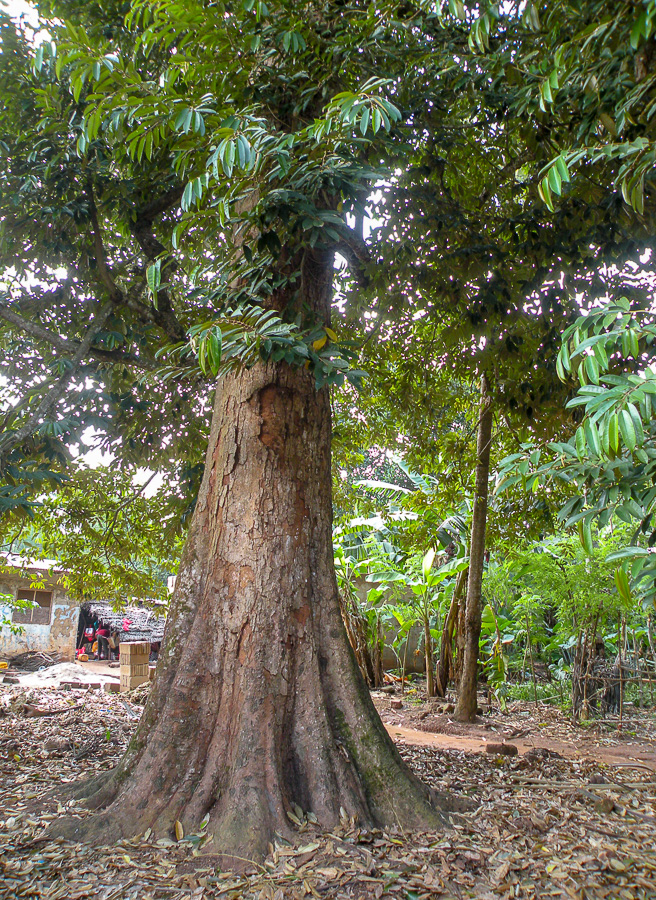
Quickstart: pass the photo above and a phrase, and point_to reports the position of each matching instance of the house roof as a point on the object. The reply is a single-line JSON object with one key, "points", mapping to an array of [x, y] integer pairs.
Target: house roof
{"points": [[29, 564], [145, 624]]}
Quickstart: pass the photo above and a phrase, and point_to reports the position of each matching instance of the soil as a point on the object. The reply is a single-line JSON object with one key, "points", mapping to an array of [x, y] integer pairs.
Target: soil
{"points": [[559, 820], [427, 723]]}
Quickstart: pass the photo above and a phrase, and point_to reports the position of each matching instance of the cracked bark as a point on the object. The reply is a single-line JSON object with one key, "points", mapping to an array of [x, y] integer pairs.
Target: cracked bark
{"points": [[258, 702]]}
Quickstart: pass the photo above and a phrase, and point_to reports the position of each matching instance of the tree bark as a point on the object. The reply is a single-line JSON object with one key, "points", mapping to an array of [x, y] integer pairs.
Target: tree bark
{"points": [[365, 645], [466, 706], [258, 703], [428, 654], [445, 667]]}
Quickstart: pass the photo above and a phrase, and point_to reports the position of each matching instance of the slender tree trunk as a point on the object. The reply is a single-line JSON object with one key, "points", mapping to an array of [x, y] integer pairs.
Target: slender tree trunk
{"points": [[460, 640], [445, 668], [428, 654], [650, 638], [258, 703], [621, 626], [366, 646], [529, 643], [466, 705]]}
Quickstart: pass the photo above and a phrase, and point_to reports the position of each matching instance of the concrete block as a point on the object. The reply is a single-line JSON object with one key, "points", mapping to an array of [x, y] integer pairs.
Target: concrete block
{"points": [[137, 648], [136, 669], [129, 682]]}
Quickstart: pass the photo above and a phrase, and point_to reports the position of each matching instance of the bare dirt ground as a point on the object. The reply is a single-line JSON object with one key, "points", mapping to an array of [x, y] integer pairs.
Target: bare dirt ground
{"points": [[572, 815], [430, 724]]}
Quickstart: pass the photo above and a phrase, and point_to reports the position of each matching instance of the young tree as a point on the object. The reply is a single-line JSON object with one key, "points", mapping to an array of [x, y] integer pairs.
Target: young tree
{"points": [[467, 704], [110, 538]]}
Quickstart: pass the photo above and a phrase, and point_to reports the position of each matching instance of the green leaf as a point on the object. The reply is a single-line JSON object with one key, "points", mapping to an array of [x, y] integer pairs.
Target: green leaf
{"points": [[554, 180], [214, 349], [585, 535], [153, 278], [592, 369], [187, 195], [638, 29], [592, 437], [229, 158], [627, 429], [427, 562], [637, 423], [545, 193], [622, 585], [613, 435], [563, 171]]}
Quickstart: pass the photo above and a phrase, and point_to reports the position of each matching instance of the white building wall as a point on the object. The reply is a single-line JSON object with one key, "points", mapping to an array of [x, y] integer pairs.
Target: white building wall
{"points": [[59, 636]]}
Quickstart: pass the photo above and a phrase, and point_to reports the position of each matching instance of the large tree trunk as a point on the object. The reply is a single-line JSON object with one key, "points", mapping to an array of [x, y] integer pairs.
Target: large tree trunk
{"points": [[467, 705], [258, 702]]}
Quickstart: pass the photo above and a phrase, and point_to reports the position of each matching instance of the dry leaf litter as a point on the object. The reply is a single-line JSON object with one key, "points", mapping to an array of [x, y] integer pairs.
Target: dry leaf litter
{"points": [[545, 826]]}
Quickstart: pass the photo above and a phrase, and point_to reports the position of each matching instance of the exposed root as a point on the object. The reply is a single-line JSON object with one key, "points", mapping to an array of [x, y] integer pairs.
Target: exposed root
{"points": [[258, 706]]}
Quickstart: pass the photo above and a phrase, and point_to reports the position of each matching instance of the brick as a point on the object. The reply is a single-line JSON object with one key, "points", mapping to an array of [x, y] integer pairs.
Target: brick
{"points": [[111, 687], [129, 662], [137, 648], [151, 673], [502, 749], [140, 669], [128, 682]]}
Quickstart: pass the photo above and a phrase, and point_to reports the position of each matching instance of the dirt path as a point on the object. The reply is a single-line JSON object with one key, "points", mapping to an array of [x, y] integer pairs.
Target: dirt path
{"points": [[639, 755]]}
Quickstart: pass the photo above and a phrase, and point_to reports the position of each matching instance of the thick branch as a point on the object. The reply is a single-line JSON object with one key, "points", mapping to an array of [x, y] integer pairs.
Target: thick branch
{"points": [[160, 204], [355, 251], [11, 439], [106, 278], [142, 229], [64, 346]]}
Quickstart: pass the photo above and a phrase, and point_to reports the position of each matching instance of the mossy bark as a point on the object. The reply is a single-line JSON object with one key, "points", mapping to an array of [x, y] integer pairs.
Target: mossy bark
{"points": [[258, 702]]}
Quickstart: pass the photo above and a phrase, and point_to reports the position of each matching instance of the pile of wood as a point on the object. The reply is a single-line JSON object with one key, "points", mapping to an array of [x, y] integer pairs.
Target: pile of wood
{"points": [[33, 660]]}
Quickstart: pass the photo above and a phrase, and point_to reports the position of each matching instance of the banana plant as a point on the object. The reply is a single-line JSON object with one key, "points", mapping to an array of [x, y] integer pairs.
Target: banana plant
{"points": [[425, 593]]}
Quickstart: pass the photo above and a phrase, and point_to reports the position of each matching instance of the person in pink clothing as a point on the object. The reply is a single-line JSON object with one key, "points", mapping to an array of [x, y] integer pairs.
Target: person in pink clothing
{"points": [[103, 642]]}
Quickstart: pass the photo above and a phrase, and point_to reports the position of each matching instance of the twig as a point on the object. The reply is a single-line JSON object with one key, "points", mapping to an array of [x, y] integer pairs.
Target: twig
{"points": [[10, 439], [33, 712]]}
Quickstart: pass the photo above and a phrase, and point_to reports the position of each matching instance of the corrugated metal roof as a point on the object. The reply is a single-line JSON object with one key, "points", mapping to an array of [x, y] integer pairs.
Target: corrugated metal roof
{"points": [[145, 624]]}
